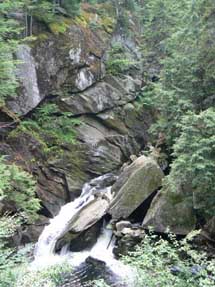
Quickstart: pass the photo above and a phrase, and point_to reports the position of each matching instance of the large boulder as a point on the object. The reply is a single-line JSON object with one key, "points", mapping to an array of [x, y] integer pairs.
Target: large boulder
{"points": [[136, 183], [209, 229], [128, 235], [29, 95], [89, 215], [171, 211]]}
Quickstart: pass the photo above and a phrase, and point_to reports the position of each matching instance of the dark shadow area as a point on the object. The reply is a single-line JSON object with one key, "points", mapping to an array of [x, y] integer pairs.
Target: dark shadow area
{"points": [[138, 215]]}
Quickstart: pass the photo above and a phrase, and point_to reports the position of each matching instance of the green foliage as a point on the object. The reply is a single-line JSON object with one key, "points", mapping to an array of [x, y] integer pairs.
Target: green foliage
{"points": [[185, 74], [58, 27], [72, 6], [9, 29], [50, 127], [178, 43], [58, 125], [49, 277], [159, 20], [118, 60], [194, 162], [40, 9], [170, 263], [171, 108], [18, 186], [10, 258], [8, 226]]}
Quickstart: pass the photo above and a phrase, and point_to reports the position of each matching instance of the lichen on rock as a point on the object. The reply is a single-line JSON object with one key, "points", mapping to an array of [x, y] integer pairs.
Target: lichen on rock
{"points": [[135, 184]]}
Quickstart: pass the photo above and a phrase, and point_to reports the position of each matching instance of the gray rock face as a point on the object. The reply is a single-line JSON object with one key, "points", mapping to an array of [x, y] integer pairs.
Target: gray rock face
{"points": [[96, 99], [33, 231], [89, 215], [70, 67], [171, 211], [87, 238], [56, 65], [134, 185], [84, 79], [103, 155], [128, 236], [29, 96], [70, 62], [209, 229]]}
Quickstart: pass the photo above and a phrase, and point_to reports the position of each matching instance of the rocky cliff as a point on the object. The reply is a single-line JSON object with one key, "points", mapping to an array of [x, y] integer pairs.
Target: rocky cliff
{"points": [[81, 119], [68, 70]]}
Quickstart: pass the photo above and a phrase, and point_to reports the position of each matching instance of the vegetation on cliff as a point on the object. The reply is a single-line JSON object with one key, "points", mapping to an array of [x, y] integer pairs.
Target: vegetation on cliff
{"points": [[8, 44], [177, 43]]}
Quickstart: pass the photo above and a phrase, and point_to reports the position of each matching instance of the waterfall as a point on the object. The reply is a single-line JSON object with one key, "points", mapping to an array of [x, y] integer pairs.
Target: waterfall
{"points": [[102, 250], [59, 225]]}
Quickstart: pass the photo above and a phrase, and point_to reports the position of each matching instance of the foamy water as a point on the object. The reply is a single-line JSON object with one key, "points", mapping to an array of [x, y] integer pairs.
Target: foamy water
{"points": [[102, 250]]}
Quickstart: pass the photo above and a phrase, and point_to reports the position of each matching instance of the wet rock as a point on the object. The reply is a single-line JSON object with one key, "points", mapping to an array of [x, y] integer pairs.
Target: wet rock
{"points": [[122, 224], [93, 269], [108, 180], [134, 185], [32, 232], [78, 242], [172, 211], [51, 190], [130, 122], [128, 235], [89, 214], [55, 63], [69, 62], [87, 238], [81, 228], [69, 68]]}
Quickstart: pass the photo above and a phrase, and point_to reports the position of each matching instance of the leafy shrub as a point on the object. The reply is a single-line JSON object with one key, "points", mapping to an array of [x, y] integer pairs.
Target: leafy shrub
{"points": [[158, 262], [19, 187], [72, 6], [10, 258], [49, 277], [174, 263], [50, 127], [118, 61], [57, 124], [9, 29], [118, 66]]}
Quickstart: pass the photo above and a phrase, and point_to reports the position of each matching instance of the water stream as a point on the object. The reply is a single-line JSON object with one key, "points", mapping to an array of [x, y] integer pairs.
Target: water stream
{"points": [[45, 254]]}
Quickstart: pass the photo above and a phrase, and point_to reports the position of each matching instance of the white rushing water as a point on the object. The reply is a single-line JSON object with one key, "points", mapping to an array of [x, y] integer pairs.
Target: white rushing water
{"points": [[103, 249], [45, 247]]}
